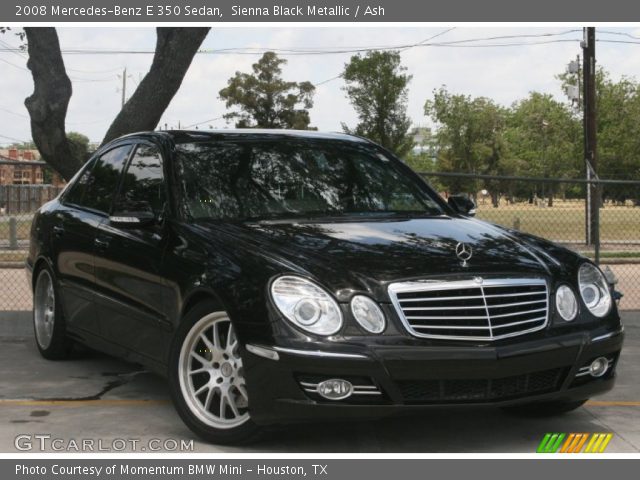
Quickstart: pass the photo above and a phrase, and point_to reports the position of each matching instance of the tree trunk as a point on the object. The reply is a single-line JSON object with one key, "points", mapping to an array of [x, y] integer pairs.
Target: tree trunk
{"points": [[495, 199], [47, 106]]}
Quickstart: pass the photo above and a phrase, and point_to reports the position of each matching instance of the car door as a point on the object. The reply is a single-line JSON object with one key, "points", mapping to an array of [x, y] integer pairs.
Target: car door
{"points": [[83, 207], [128, 259]]}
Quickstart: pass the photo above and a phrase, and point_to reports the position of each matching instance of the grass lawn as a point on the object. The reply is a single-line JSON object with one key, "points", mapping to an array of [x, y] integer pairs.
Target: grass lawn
{"points": [[565, 221], [13, 256], [23, 226]]}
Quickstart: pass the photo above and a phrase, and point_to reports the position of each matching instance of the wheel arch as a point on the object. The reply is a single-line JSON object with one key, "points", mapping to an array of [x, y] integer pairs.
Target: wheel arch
{"points": [[198, 296], [37, 266]]}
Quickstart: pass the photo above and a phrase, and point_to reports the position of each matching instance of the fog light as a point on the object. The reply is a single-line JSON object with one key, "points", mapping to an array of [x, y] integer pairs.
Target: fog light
{"points": [[335, 389], [598, 367]]}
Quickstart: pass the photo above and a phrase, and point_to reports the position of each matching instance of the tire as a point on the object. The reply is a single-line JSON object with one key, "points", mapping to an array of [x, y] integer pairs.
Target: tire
{"points": [[49, 326], [544, 409], [206, 377]]}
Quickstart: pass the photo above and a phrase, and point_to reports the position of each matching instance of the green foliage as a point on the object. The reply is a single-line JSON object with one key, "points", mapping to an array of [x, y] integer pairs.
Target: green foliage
{"points": [[469, 137], [79, 144], [377, 89], [544, 138], [537, 136], [265, 100]]}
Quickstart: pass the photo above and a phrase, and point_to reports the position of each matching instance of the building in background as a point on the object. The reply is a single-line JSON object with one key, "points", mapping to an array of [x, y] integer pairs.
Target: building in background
{"points": [[24, 167]]}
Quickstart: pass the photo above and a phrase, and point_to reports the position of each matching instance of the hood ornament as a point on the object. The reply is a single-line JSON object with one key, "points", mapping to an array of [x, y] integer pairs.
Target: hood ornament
{"points": [[464, 252]]}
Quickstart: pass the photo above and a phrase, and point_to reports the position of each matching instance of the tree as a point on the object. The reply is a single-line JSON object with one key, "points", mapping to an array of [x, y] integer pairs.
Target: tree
{"points": [[47, 106], [618, 130], [265, 100], [544, 136], [377, 89], [80, 143], [469, 139]]}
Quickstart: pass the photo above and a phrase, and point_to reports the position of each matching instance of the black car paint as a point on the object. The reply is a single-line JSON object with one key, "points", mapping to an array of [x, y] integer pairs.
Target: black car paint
{"points": [[125, 290]]}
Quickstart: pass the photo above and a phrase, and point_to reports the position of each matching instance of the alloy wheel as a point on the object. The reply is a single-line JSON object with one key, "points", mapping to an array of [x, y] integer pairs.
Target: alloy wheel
{"points": [[211, 374], [44, 314]]}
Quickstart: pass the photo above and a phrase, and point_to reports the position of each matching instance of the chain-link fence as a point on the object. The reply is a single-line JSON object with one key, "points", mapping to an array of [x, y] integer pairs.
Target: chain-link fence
{"points": [[17, 204], [551, 208], [559, 210]]}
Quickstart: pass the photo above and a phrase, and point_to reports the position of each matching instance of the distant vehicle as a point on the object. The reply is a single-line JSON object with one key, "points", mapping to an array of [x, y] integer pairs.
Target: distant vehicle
{"points": [[280, 276]]}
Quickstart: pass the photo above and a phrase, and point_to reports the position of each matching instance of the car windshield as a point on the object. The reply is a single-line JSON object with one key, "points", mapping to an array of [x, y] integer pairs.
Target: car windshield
{"points": [[288, 178]]}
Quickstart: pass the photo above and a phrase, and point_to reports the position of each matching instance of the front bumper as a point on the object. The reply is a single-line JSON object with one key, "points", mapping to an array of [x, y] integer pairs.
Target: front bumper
{"points": [[408, 378]]}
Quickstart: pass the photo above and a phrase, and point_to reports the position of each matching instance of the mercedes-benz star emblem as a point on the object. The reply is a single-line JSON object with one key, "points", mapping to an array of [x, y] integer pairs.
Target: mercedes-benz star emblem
{"points": [[464, 252]]}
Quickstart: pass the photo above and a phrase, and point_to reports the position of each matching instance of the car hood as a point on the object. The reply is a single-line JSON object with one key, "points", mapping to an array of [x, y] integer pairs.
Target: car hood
{"points": [[366, 255]]}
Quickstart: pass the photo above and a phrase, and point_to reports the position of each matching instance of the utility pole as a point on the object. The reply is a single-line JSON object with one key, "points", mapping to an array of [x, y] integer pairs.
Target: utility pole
{"points": [[124, 85], [590, 137]]}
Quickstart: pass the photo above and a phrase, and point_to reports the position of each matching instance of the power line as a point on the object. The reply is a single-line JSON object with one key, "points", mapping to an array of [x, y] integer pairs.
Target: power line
{"points": [[204, 121], [623, 34], [113, 70], [14, 139], [402, 50], [342, 50], [328, 80], [13, 113], [428, 39], [628, 42], [18, 51], [13, 65]]}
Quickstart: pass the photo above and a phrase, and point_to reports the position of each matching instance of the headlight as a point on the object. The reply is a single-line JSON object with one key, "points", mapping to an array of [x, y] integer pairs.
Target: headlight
{"points": [[566, 303], [368, 314], [594, 289], [306, 305]]}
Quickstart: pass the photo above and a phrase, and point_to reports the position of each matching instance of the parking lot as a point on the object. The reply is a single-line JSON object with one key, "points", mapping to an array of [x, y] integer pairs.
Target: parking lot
{"points": [[99, 398]]}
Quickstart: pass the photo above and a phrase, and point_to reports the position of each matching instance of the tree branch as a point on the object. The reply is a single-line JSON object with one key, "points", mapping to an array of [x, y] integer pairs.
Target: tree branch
{"points": [[47, 106], [175, 49]]}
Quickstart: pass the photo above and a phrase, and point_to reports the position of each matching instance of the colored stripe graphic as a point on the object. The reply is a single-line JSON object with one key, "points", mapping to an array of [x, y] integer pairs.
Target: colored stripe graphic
{"points": [[598, 443], [574, 443], [550, 443]]}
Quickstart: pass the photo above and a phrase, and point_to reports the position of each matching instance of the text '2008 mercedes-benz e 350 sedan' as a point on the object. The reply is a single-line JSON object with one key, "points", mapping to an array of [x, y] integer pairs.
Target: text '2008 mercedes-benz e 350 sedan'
{"points": [[279, 276]]}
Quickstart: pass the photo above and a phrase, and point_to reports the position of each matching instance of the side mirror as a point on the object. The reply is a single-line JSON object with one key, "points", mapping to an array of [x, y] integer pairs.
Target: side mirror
{"points": [[132, 219], [462, 205]]}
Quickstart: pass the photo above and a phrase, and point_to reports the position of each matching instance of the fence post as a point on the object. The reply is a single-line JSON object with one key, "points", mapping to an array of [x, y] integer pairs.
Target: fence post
{"points": [[596, 221], [13, 233]]}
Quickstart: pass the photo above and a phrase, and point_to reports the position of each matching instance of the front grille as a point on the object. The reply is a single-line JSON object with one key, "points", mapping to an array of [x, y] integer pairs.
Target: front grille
{"points": [[481, 390], [476, 309]]}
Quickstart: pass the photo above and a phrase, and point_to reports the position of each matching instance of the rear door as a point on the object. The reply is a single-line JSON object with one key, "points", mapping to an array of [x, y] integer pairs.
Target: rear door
{"points": [[84, 206], [129, 274]]}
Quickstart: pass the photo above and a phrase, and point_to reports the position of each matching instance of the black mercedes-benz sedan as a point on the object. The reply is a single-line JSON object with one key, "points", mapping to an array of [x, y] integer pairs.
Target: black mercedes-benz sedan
{"points": [[281, 276]]}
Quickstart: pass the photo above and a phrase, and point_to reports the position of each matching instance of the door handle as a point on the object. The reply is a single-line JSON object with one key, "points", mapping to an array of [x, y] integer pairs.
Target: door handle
{"points": [[101, 243], [58, 231]]}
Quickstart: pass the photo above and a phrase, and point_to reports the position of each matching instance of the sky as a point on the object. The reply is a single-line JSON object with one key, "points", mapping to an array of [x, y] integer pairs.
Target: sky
{"points": [[505, 73]]}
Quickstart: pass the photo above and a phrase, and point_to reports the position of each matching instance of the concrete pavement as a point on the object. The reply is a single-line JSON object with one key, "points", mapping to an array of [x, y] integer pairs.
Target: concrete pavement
{"points": [[93, 396]]}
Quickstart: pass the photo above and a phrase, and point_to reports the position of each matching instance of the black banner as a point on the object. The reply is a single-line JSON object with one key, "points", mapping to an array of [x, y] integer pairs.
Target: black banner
{"points": [[203, 11], [325, 469]]}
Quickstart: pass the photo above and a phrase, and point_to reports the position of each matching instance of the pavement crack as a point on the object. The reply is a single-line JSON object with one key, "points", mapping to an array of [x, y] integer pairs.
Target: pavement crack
{"points": [[120, 380]]}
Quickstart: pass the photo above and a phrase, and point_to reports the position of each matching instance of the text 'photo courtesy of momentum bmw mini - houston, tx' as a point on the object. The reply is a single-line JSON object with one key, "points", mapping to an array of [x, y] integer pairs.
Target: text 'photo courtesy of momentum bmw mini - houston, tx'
{"points": [[287, 276]]}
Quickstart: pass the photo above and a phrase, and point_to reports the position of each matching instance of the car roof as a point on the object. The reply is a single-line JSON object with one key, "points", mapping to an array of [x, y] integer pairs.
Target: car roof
{"points": [[188, 136]]}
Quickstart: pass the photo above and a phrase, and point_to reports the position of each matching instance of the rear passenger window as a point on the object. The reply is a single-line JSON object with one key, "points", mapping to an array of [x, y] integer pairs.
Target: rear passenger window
{"points": [[143, 188], [96, 187], [76, 191]]}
